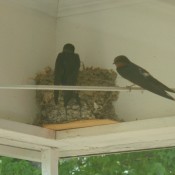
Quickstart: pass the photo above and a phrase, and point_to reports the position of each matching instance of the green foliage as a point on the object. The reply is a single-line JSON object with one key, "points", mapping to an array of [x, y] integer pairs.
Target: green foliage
{"points": [[10, 166], [153, 162]]}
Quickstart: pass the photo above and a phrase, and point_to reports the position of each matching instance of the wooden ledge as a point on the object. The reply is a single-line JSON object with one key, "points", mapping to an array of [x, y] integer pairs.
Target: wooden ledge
{"points": [[79, 124]]}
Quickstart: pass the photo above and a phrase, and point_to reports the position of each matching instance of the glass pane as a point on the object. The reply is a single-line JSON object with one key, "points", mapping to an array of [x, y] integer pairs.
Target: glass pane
{"points": [[11, 166], [151, 162]]}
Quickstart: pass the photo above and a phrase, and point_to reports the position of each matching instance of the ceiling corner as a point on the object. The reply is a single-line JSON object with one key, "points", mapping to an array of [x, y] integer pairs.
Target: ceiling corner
{"points": [[76, 7]]}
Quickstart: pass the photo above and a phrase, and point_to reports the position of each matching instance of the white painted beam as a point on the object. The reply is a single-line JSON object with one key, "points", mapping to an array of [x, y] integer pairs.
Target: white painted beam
{"points": [[122, 127], [112, 143], [15, 142], [49, 162], [25, 136], [27, 129], [126, 136], [18, 153]]}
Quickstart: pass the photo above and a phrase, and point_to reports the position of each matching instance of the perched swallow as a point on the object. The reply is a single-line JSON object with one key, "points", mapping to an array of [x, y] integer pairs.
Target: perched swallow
{"points": [[66, 72], [140, 77]]}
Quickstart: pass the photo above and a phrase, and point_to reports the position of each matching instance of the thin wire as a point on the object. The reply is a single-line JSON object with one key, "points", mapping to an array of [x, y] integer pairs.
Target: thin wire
{"points": [[74, 88]]}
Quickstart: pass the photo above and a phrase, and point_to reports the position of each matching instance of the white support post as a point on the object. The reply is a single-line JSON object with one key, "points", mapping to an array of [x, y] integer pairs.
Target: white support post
{"points": [[49, 160]]}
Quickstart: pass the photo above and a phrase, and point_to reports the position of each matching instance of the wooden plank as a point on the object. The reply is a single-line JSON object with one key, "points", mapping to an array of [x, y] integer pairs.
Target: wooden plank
{"points": [[26, 136], [118, 142], [125, 136], [116, 128], [27, 129], [49, 162], [12, 141], [79, 124], [19, 153]]}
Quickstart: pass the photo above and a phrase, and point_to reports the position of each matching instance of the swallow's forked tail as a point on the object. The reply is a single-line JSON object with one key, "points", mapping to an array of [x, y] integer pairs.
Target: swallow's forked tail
{"points": [[166, 95]]}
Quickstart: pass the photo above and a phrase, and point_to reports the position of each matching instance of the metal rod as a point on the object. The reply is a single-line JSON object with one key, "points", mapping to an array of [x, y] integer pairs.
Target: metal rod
{"points": [[68, 88], [76, 88]]}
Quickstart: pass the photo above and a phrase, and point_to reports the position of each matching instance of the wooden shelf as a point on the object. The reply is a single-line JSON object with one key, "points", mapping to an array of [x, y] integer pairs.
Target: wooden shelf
{"points": [[79, 124]]}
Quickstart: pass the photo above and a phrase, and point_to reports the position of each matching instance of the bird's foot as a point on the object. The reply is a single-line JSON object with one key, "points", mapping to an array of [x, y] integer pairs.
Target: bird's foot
{"points": [[130, 87]]}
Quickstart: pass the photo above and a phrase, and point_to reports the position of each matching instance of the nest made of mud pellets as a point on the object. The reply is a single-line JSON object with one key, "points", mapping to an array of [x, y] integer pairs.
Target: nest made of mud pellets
{"points": [[95, 104]]}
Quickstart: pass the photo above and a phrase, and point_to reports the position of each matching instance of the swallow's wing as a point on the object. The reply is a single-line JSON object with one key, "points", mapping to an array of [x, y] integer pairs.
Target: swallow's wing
{"points": [[144, 79], [153, 81], [59, 69], [136, 74]]}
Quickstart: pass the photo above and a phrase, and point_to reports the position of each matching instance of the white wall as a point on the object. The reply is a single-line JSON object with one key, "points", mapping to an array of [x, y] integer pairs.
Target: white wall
{"points": [[27, 45], [144, 32]]}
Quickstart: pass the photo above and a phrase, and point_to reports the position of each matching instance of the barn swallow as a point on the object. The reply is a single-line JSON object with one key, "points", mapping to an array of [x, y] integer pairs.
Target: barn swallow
{"points": [[141, 77], [67, 67]]}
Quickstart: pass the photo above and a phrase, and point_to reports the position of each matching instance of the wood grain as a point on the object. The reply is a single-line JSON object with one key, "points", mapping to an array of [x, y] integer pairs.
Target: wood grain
{"points": [[79, 124]]}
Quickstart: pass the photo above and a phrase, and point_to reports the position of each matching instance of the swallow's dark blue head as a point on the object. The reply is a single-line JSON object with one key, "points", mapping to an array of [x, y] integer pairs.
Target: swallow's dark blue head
{"points": [[68, 48], [121, 59]]}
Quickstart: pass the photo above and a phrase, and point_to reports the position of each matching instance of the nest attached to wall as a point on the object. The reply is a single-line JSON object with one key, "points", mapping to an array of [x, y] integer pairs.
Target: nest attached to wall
{"points": [[95, 104]]}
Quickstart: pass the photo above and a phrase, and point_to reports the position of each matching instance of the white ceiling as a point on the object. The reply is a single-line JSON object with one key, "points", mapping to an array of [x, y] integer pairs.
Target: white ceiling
{"points": [[72, 7], [60, 8], [49, 7]]}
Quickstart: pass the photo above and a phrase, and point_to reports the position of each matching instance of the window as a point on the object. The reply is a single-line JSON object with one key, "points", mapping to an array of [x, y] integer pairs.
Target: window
{"points": [[149, 162], [11, 166]]}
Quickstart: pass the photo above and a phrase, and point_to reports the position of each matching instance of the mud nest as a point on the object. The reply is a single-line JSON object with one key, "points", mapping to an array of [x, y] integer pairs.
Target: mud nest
{"points": [[95, 104]]}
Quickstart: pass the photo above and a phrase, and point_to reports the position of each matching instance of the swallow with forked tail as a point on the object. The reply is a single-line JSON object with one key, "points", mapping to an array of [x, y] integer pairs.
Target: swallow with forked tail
{"points": [[141, 77]]}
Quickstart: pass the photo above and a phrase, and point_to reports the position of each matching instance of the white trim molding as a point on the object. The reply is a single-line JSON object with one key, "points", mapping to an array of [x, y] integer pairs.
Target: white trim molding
{"points": [[126, 136], [49, 7], [76, 7], [63, 8], [34, 143], [18, 153]]}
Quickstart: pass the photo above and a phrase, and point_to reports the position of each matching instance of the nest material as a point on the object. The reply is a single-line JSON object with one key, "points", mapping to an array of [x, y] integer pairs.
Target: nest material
{"points": [[95, 104]]}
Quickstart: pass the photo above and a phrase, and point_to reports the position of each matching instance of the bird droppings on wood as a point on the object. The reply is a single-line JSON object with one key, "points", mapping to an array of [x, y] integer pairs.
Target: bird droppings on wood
{"points": [[95, 104]]}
